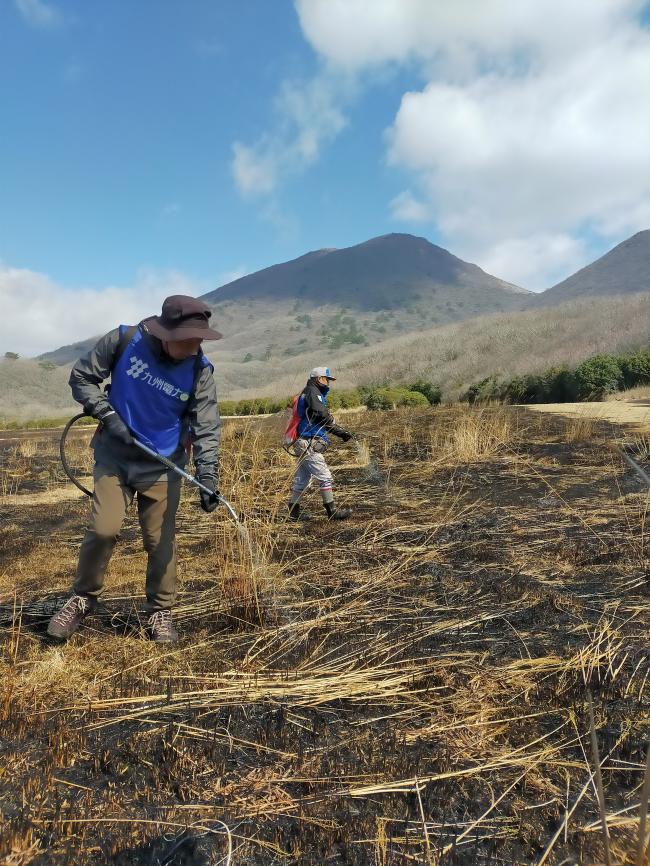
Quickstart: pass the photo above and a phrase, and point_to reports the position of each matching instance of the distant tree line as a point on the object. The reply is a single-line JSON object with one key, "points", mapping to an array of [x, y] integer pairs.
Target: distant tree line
{"points": [[593, 379], [420, 393]]}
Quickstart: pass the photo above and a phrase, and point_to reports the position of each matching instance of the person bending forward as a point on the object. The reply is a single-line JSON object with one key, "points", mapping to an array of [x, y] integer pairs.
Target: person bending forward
{"points": [[163, 394]]}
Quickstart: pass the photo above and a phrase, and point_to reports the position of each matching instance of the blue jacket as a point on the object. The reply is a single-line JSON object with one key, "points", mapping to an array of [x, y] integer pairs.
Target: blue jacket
{"points": [[315, 417]]}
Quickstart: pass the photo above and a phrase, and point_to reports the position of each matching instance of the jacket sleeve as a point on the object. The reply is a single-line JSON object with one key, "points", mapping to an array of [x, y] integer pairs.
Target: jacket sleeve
{"points": [[318, 413], [91, 370], [205, 424]]}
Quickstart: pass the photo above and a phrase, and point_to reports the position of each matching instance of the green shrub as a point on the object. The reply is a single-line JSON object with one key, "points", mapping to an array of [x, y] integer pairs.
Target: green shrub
{"points": [[271, 405], [598, 376], [350, 399], [411, 398], [635, 368], [431, 392], [227, 407], [593, 379], [487, 389], [254, 406], [560, 385], [344, 399], [43, 423], [556, 385], [515, 391], [391, 398], [245, 407], [379, 399]]}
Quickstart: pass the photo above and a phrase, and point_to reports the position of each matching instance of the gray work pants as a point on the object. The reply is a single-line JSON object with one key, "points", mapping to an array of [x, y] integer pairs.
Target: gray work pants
{"points": [[311, 464], [158, 499]]}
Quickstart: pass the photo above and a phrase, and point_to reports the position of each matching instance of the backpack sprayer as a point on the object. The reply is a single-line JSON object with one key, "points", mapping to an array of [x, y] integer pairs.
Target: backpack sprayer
{"points": [[317, 445], [290, 439], [159, 457]]}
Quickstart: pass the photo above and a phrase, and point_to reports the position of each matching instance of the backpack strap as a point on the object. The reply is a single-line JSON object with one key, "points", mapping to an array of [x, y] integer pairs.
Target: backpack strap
{"points": [[125, 339], [198, 369]]}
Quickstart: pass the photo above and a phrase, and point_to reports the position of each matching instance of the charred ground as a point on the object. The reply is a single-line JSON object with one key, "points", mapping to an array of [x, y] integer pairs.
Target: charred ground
{"points": [[410, 686]]}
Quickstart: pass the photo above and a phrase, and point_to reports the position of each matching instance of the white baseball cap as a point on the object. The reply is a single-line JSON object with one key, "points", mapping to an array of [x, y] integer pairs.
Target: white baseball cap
{"points": [[317, 372]]}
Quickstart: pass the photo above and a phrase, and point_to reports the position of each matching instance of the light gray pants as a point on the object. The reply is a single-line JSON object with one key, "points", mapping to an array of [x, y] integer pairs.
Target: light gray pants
{"points": [[311, 464]]}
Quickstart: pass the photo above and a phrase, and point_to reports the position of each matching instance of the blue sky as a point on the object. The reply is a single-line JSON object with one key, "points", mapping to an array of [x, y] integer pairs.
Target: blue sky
{"points": [[119, 121], [156, 146]]}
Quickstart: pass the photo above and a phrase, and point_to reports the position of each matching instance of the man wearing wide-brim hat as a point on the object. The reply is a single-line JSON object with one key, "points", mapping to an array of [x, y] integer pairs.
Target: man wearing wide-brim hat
{"points": [[163, 394]]}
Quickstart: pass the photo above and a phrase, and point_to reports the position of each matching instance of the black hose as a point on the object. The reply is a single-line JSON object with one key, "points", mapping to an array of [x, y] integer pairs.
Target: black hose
{"points": [[64, 462]]}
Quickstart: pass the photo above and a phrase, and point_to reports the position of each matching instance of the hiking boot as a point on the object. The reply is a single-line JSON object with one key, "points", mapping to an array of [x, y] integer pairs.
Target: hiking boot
{"points": [[160, 627], [295, 512], [65, 623], [335, 513]]}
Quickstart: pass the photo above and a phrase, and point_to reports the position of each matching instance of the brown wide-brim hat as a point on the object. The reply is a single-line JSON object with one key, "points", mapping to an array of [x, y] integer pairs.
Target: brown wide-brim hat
{"points": [[182, 318]]}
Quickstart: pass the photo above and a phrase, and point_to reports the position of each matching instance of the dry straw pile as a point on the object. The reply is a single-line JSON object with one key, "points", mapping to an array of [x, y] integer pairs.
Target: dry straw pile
{"points": [[411, 687]]}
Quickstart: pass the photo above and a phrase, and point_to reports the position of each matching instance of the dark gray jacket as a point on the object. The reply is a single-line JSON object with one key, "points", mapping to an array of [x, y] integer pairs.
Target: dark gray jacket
{"points": [[202, 416], [316, 418]]}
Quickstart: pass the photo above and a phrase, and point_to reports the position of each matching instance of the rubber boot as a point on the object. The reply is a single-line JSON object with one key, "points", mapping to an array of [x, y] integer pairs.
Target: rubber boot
{"points": [[335, 513], [295, 512]]}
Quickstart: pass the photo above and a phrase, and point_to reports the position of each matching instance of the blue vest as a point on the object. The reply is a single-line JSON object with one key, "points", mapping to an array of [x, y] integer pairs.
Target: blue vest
{"points": [[151, 394], [305, 428]]}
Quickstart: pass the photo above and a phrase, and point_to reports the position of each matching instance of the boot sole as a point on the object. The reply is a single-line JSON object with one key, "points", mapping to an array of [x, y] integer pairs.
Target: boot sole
{"points": [[56, 636], [53, 632]]}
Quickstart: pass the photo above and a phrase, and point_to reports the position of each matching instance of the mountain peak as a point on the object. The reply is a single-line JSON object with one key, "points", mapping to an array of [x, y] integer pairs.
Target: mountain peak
{"points": [[384, 272], [625, 269]]}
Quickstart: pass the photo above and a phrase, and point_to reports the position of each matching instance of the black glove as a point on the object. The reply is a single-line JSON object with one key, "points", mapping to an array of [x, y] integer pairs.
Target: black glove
{"points": [[115, 427], [345, 435], [209, 501]]}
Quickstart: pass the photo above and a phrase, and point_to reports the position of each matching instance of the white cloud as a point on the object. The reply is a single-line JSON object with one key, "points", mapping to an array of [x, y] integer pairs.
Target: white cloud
{"points": [[457, 37], [254, 168], [410, 209], [39, 14], [511, 159], [307, 116], [40, 315], [536, 261], [531, 128]]}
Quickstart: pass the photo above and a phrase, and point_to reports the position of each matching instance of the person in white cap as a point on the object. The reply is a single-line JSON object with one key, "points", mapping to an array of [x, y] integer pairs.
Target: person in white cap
{"points": [[314, 425]]}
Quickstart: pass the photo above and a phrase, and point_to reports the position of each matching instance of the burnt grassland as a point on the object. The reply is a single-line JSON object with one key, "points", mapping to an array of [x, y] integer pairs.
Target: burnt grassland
{"points": [[411, 686]]}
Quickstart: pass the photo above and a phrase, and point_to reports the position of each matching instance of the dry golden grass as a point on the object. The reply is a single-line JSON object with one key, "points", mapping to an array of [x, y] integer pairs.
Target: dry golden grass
{"points": [[407, 687], [612, 411], [580, 429], [631, 395], [479, 435]]}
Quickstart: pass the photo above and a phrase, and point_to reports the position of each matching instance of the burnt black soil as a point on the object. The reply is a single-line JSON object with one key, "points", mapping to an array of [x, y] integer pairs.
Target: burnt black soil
{"points": [[484, 579]]}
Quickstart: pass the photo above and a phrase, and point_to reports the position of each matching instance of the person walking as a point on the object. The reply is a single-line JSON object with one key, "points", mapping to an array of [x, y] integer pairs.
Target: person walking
{"points": [[315, 423], [163, 394]]}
